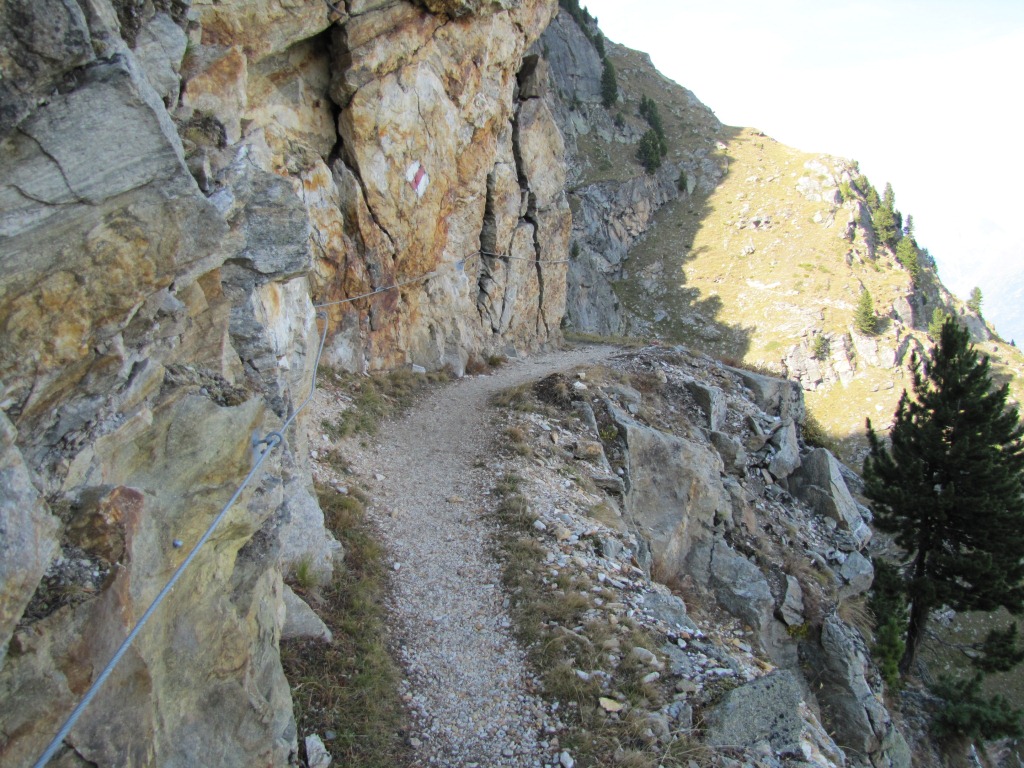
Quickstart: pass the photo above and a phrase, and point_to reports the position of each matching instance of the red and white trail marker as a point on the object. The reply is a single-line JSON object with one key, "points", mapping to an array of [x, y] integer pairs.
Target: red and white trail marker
{"points": [[417, 177]]}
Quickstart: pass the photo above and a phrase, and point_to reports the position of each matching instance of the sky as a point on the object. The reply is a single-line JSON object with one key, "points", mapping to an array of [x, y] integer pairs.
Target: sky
{"points": [[925, 94]]}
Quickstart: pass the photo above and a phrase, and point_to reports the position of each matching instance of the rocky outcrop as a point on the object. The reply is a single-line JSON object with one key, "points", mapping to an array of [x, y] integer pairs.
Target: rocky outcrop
{"points": [[611, 218], [177, 187], [769, 714], [820, 483], [431, 130], [717, 526], [30, 536], [861, 721]]}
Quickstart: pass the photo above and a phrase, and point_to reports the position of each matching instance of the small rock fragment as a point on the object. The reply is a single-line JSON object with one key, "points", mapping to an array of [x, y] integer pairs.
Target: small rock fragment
{"points": [[609, 705], [317, 755]]}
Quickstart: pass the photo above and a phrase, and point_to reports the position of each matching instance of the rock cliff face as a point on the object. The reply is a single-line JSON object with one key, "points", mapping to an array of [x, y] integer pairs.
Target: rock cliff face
{"points": [[180, 182], [613, 200]]}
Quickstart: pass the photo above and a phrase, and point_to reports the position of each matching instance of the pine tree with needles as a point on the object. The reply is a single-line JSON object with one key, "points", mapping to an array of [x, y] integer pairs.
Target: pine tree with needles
{"points": [[950, 487], [864, 319], [886, 220], [609, 84], [939, 317], [907, 255], [974, 302]]}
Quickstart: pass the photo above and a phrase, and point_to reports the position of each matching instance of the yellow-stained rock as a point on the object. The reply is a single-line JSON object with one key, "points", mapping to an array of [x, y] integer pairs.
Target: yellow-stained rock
{"points": [[262, 27]]}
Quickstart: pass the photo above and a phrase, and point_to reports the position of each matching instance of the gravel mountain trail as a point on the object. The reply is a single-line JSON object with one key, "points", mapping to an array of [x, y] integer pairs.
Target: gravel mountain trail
{"points": [[472, 699]]}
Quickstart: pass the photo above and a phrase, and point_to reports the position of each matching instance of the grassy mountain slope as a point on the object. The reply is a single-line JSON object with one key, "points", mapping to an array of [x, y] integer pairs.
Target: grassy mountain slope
{"points": [[773, 257]]}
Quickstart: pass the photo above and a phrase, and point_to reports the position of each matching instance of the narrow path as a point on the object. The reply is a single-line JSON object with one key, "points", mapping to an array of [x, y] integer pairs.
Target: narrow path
{"points": [[467, 684]]}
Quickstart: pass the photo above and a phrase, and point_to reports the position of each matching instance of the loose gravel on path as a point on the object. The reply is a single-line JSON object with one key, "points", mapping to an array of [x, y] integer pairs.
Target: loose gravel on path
{"points": [[471, 697]]}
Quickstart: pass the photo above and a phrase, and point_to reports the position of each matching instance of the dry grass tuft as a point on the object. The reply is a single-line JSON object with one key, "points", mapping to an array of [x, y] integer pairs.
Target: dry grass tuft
{"points": [[555, 623], [517, 398], [855, 612], [350, 687]]}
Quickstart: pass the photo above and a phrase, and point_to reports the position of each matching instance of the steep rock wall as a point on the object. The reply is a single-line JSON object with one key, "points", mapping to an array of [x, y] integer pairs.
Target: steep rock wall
{"points": [[614, 203], [179, 183]]}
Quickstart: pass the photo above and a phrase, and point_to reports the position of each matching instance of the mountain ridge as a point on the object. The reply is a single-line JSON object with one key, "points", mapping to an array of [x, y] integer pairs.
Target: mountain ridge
{"points": [[764, 251]]}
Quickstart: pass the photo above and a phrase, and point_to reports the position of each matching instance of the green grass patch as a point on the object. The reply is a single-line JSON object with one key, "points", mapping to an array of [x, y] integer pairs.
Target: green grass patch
{"points": [[376, 398], [350, 687]]}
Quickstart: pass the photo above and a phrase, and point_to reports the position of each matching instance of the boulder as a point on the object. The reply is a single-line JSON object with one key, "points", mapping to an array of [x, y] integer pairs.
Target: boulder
{"points": [[786, 458], [793, 603], [303, 536], [858, 573], [851, 708], [776, 397], [712, 402], [317, 755], [670, 609], [731, 450], [740, 587], [625, 394], [680, 663], [675, 490], [819, 482], [764, 710], [301, 621], [590, 450], [744, 512]]}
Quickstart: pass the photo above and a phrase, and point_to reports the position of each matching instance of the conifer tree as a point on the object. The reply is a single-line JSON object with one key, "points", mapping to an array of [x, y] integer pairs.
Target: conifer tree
{"points": [[888, 197], [609, 84], [1000, 651], [974, 303], [906, 254], [886, 227], [949, 488], [889, 201], [649, 151], [864, 319], [871, 198], [939, 317]]}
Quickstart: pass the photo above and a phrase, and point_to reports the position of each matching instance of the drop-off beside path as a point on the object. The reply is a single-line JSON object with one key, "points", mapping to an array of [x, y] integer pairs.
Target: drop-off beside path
{"points": [[472, 698]]}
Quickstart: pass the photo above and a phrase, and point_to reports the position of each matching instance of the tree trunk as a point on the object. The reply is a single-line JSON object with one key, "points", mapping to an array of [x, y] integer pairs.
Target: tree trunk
{"points": [[920, 607], [919, 610]]}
